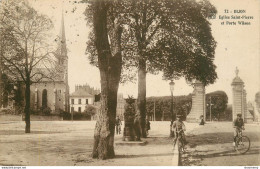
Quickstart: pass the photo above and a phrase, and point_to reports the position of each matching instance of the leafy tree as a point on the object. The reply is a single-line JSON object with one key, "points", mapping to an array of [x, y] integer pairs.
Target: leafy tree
{"points": [[161, 105], [169, 36], [173, 37], [218, 101], [24, 50], [90, 110], [228, 113], [7, 87]]}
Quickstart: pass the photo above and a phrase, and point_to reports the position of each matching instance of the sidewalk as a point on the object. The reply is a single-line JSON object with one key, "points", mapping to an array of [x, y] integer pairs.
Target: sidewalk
{"points": [[158, 151]]}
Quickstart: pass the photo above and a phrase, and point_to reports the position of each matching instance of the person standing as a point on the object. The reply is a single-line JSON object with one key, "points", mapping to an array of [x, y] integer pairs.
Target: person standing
{"points": [[118, 125], [147, 126]]}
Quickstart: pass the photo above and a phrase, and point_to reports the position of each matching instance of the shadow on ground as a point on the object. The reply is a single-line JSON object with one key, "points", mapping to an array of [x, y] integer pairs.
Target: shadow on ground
{"points": [[154, 140], [22, 132], [195, 157], [144, 155], [217, 138], [212, 145]]}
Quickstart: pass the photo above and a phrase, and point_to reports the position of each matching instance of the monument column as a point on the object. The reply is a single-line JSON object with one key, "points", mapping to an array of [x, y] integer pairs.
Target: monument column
{"points": [[239, 105], [198, 103], [257, 107]]}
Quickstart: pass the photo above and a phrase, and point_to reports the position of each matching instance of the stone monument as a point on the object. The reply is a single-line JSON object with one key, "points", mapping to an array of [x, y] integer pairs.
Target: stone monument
{"points": [[198, 103], [129, 116], [257, 107], [239, 105]]}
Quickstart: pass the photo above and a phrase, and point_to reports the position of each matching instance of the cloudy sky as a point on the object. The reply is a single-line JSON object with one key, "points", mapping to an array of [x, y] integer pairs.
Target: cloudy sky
{"points": [[237, 46]]}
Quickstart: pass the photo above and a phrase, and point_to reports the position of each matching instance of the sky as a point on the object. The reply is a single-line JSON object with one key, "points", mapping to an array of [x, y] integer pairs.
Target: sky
{"points": [[237, 46]]}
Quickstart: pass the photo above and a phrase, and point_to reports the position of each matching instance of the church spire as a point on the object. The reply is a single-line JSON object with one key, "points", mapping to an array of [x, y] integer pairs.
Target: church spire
{"points": [[62, 43]]}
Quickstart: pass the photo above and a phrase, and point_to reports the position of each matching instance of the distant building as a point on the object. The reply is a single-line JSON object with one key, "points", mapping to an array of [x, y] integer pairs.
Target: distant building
{"points": [[84, 95], [120, 108]]}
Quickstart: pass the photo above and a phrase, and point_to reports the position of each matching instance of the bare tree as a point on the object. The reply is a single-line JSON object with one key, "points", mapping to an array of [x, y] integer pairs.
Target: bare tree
{"points": [[25, 52]]}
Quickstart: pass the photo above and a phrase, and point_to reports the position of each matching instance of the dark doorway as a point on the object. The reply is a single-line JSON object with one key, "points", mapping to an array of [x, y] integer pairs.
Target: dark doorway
{"points": [[44, 98]]}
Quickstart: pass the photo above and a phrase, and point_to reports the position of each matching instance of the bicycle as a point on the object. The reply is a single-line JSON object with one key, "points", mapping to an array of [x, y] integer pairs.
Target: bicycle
{"points": [[242, 143], [180, 141]]}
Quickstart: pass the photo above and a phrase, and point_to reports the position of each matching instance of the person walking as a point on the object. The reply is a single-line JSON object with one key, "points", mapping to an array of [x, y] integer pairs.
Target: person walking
{"points": [[147, 126]]}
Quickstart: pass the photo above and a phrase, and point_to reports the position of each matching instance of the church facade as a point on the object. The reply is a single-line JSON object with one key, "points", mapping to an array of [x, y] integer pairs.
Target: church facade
{"points": [[54, 93]]}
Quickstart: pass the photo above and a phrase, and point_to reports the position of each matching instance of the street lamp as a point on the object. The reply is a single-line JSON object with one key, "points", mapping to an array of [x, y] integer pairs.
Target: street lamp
{"points": [[211, 104], [171, 88]]}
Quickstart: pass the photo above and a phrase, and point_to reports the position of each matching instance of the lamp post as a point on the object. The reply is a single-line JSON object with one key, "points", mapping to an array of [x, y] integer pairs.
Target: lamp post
{"points": [[211, 104], [171, 88], [154, 110]]}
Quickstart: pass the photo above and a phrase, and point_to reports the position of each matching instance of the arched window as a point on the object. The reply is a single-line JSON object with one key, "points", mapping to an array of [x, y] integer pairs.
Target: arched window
{"points": [[44, 98]]}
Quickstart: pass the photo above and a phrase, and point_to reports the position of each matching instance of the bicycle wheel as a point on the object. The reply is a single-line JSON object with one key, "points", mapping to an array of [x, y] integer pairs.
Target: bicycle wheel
{"points": [[243, 144], [180, 145]]}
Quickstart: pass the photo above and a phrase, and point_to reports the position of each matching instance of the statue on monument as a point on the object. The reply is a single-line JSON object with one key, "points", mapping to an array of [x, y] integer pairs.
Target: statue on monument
{"points": [[236, 71]]}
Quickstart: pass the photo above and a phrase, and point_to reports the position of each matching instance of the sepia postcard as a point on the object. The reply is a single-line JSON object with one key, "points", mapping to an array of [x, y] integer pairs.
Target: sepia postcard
{"points": [[129, 83]]}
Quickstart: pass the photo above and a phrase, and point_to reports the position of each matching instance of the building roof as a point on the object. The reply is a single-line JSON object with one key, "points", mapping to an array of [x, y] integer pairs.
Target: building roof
{"points": [[81, 93], [47, 74], [237, 80]]}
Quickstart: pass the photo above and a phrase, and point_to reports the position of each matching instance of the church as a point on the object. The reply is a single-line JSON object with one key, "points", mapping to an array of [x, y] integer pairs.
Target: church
{"points": [[54, 93]]}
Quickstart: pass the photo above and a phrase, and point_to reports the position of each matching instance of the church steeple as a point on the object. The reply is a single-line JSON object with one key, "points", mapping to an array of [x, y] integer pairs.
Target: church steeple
{"points": [[62, 58], [62, 42]]}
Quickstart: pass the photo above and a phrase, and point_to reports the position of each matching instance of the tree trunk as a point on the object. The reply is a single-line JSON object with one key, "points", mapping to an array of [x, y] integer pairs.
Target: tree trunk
{"points": [[105, 126], [27, 107], [141, 100], [1, 68], [110, 71], [1, 82]]}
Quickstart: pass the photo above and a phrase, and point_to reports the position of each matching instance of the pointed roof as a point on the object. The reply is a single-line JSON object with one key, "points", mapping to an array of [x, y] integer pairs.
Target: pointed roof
{"points": [[237, 79], [62, 31], [62, 47]]}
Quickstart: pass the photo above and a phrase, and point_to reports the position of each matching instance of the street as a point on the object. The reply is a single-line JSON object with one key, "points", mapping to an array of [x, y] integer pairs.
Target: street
{"points": [[211, 145], [66, 143]]}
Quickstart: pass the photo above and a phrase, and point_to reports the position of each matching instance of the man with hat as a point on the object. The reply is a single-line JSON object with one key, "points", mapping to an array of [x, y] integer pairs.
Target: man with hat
{"points": [[178, 127], [238, 125]]}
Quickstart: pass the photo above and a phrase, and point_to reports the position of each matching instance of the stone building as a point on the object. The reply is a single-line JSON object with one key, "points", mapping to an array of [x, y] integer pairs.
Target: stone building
{"points": [[120, 108], [257, 107], [84, 95]]}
